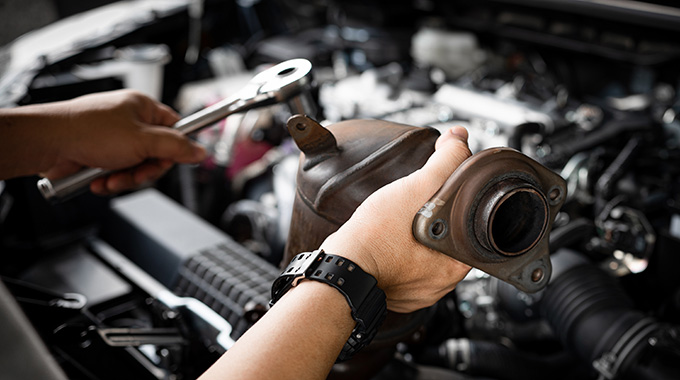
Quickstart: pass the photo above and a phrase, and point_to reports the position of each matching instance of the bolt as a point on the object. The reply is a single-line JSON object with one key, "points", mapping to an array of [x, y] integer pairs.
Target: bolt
{"points": [[300, 127], [554, 194], [537, 275]]}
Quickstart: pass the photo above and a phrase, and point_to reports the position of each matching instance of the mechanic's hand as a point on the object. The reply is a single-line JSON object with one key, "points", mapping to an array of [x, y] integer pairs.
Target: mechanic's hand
{"points": [[378, 236], [117, 130]]}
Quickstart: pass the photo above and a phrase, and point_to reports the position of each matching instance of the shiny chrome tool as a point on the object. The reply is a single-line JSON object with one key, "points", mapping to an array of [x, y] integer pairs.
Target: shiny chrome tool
{"points": [[286, 82]]}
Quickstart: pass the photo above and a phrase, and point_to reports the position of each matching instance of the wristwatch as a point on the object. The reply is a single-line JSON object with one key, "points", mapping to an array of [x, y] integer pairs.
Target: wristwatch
{"points": [[365, 299]]}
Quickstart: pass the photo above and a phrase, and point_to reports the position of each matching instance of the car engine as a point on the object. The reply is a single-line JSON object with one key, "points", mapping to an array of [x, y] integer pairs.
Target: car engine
{"points": [[157, 283]]}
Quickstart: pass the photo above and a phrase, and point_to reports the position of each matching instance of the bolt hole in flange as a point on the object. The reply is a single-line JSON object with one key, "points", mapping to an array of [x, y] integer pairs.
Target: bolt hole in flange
{"points": [[518, 221], [438, 229]]}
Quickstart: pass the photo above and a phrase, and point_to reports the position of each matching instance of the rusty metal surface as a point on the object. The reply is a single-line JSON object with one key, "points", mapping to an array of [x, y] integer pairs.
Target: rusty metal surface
{"points": [[342, 165], [494, 213]]}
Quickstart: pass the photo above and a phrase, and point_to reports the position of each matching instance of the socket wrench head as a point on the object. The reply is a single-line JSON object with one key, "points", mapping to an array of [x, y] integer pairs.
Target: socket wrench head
{"points": [[282, 81]]}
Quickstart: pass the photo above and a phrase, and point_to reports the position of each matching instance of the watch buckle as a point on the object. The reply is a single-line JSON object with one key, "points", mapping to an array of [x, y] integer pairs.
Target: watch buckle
{"points": [[302, 263]]}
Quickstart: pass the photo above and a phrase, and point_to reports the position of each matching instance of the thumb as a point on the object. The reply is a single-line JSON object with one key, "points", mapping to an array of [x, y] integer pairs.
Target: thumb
{"points": [[451, 150], [166, 143]]}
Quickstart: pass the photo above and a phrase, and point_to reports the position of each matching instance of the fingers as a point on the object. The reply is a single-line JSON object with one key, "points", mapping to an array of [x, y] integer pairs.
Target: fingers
{"points": [[158, 145], [165, 115], [165, 143], [61, 170], [165, 147], [130, 179], [456, 132], [451, 150]]}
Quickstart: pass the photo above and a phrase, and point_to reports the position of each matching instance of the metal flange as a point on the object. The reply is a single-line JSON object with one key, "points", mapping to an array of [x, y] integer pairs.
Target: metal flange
{"points": [[494, 213]]}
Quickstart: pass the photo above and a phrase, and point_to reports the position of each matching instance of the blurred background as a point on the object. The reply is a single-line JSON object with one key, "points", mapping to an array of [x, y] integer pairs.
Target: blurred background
{"points": [[156, 283], [20, 17]]}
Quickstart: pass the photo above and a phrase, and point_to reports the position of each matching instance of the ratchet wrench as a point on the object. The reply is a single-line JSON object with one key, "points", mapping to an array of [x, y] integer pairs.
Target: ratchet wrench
{"points": [[286, 82]]}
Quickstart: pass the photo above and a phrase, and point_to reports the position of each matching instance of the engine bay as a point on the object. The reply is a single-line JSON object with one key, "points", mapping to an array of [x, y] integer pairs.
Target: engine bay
{"points": [[159, 282]]}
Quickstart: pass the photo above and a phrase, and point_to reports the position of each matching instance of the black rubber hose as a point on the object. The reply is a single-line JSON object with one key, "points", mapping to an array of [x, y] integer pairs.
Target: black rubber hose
{"points": [[499, 362], [588, 310], [483, 359], [595, 319]]}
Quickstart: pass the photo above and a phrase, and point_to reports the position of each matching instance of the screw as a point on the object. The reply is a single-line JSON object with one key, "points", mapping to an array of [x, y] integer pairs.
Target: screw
{"points": [[300, 127]]}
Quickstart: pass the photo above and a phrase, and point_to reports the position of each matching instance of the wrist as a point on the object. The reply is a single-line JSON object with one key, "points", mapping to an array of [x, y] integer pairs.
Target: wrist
{"points": [[31, 136], [314, 292], [366, 301], [354, 249]]}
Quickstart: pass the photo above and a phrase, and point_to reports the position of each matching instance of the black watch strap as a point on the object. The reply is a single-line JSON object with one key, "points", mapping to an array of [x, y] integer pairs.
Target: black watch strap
{"points": [[365, 299]]}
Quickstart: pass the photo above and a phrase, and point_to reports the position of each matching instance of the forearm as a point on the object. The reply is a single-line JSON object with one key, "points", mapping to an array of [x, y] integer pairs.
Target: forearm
{"points": [[30, 137], [299, 338]]}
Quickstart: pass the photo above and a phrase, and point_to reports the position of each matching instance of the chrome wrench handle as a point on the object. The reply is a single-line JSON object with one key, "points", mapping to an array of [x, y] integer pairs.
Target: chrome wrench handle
{"points": [[276, 84], [68, 186]]}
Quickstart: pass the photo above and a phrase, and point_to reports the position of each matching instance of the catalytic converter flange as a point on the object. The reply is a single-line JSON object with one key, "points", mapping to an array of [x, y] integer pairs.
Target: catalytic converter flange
{"points": [[495, 213]]}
